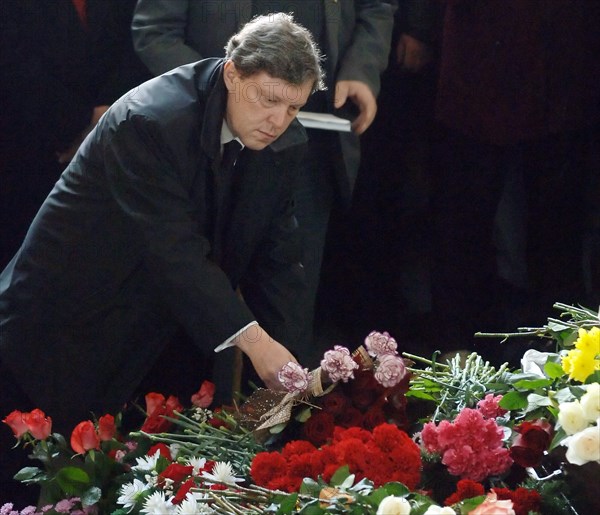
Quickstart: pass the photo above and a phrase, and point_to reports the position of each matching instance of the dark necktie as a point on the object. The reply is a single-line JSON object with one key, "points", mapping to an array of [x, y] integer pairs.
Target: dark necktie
{"points": [[224, 183]]}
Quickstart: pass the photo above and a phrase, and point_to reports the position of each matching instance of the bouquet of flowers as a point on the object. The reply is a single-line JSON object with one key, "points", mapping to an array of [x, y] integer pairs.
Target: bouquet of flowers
{"points": [[368, 432]]}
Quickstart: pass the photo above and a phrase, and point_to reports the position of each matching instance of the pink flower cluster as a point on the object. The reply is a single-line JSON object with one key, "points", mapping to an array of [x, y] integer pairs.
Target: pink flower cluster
{"points": [[338, 364], [389, 367], [471, 446]]}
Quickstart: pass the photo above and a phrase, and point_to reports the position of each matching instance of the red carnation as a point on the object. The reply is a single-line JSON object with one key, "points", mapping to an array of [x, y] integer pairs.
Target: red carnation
{"points": [[533, 439], [161, 448], [267, 466], [183, 491], [465, 489], [297, 447], [524, 500], [157, 409]]}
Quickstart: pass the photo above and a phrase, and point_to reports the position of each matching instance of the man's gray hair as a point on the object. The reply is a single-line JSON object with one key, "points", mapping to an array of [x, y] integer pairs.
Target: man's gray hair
{"points": [[276, 44]]}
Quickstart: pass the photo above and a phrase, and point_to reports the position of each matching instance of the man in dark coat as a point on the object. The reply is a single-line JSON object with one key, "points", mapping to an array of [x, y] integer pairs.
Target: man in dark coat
{"points": [[144, 231]]}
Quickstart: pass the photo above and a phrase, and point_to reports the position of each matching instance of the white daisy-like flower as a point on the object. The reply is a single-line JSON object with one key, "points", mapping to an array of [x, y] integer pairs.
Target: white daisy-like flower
{"points": [[146, 463], [222, 473], [197, 463], [158, 504], [130, 492], [191, 506]]}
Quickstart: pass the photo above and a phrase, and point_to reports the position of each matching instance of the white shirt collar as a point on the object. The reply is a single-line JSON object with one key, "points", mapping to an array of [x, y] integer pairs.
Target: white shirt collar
{"points": [[227, 135]]}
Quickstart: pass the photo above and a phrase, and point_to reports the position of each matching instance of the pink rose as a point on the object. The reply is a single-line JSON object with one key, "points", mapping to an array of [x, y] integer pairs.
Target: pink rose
{"points": [[338, 364], [492, 506], [380, 344], [204, 397], [390, 370], [15, 421], [293, 377]]}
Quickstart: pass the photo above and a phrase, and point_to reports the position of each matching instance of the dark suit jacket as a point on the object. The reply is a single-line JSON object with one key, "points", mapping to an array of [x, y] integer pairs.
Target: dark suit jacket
{"points": [[122, 251], [168, 33]]}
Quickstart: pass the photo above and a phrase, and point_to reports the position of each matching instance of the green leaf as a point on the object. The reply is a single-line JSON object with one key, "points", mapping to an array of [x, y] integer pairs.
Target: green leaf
{"points": [[528, 384], [397, 489], [513, 401], [553, 370], [288, 504], [340, 475], [304, 414], [377, 496], [312, 508], [73, 480], [535, 401], [30, 475], [277, 428], [310, 487], [417, 394], [91, 496]]}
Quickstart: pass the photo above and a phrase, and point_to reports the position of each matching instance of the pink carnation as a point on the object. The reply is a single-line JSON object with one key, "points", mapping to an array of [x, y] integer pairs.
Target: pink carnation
{"points": [[380, 344], [293, 377], [390, 370], [489, 406], [471, 446], [338, 364]]}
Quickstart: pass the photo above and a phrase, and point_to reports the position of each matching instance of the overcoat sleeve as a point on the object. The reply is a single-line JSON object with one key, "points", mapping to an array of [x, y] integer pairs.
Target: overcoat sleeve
{"points": [[150, 189], [158, 30], [367, 56]]}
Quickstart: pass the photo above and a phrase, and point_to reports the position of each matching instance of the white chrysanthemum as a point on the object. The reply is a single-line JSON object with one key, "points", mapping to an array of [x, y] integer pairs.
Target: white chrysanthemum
{"points": [[197, 463], [130, 492], [584, 446], [146, 463], [222, 473], [590, 402], [571, 417], [158, 504], [190, 506], [174, 449]]}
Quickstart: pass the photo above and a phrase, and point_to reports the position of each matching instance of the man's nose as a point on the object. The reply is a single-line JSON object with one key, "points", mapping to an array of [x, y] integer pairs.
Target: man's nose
{"points": [[279, 117]]}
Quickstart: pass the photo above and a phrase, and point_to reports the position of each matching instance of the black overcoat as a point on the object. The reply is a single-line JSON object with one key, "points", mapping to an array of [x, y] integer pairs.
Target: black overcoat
{"points": [[124, 249]]}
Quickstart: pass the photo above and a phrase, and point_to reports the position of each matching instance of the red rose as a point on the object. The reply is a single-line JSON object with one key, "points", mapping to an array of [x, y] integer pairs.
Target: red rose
{"points": [[350, 418], [175, 472], [161, 448], [38, 424], [533, 439], [84, 437], [374, 417], [157, 409], [335, 402], [106, 428], [319, 428], [204, 397], [15, 421]]}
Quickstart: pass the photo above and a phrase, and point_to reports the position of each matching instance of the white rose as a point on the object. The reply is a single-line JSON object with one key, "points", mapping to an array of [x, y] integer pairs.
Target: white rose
{"points": [[437, 510], [584, 446], [590, 402], [571, 417], [533, 362], [392, 505]]}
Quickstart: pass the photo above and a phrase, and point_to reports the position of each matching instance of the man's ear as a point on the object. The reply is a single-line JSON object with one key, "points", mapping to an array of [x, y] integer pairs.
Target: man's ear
{"points": [[230, 75]]}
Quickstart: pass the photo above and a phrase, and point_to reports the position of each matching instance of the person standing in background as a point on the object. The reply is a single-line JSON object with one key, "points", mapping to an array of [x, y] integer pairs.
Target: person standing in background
{"points": [[63, 62], [354, 36], [518, 100]]}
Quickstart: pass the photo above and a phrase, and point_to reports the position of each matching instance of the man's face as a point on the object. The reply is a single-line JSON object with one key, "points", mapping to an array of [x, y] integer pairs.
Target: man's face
{"points": [[260, 107]]}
